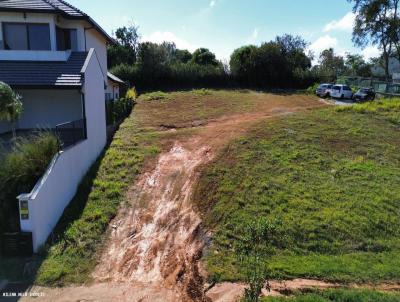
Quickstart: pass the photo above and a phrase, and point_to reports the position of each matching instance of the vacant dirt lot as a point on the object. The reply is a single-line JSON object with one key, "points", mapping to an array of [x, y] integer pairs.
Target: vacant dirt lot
{"points": [[156, 240]]}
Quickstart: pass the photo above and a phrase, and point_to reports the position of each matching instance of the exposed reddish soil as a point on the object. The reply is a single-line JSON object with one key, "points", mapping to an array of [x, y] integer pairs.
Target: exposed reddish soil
{"points": [[231, 292], [156, 240]]}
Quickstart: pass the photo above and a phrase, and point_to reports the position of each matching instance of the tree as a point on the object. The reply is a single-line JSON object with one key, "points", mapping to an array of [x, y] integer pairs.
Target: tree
{"points": [[128, 36], [356, 66], [10, 106], [183, 56], [242, 63], [330, 65], [125, 50], [395, 28], [256, 245], [203, 56], [376, 24]]}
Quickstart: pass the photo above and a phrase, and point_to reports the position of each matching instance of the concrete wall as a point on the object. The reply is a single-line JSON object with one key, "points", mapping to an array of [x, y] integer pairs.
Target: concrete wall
{"points": [[47, 108], [57, 187]]}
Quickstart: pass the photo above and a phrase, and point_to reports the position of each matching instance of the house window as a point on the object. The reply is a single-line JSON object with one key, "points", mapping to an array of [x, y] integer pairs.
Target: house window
{"points": [[26, 36], [67, 39]]}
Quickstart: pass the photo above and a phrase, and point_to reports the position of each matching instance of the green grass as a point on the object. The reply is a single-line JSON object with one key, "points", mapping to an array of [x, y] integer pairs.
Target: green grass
{"points": [[330, 176], [71, 255], [338, 295], [154, 96]]}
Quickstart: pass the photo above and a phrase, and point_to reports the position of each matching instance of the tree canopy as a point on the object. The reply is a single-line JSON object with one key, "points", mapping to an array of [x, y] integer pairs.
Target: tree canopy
{"points": [[377, 23]]}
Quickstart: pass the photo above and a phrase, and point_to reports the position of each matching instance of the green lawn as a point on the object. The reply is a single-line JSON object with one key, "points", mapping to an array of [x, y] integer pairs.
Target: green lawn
{"points": [[339, 295], [330, 176]]}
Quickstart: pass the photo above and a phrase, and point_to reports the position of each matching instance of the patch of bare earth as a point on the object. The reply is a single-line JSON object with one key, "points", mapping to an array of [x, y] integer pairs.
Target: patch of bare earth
{"points": [[231, 292], [156, 241]]}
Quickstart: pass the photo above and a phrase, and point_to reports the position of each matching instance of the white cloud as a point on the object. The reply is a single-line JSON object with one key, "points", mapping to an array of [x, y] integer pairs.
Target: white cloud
{"points": [[213, 2], [166, 36], [344, 24], [323, 43], [254, 36], [370, 52]]}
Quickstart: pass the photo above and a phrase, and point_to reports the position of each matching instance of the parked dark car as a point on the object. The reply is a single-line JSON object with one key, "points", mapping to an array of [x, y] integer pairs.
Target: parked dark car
{"points": [[324, 90], [364, 95]]}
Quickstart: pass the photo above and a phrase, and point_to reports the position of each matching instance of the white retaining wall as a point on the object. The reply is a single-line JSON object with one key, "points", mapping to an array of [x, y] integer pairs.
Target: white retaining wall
{"points": [[58, 186]]}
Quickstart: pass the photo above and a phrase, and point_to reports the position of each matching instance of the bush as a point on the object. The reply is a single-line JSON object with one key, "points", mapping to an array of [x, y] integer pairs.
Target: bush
{"points": [[20, 170], [131, 94], [121, 108], [312, 88]]}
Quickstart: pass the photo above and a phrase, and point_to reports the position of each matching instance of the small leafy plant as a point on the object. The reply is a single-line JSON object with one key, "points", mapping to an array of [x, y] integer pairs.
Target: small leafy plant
{"points": [[253, 250]]}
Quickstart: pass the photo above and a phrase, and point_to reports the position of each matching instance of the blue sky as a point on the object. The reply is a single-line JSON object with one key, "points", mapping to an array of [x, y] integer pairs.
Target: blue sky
{"points": [[223, 25]]}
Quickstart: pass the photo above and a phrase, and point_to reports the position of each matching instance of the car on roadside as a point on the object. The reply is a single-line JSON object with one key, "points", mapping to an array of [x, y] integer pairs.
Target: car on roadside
{"points": [[324, 90], [364, 95], [341, 91]]}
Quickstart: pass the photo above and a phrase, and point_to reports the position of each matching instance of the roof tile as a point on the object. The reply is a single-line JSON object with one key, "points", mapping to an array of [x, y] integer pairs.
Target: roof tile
{"points": [[44, 73]]}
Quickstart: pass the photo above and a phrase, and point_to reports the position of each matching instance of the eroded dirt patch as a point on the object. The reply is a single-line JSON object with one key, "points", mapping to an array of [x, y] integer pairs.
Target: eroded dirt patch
{"points": [[231, 292]]}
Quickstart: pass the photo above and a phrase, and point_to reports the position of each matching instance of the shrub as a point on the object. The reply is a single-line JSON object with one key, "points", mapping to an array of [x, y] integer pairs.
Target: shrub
{"points": [[131, 94], [20, 170], [121, 108], [312, 88]]}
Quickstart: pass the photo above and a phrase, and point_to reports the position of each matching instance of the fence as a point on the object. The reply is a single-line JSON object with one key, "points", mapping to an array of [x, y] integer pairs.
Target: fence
{"points": [[382, 87], [71, 133]]}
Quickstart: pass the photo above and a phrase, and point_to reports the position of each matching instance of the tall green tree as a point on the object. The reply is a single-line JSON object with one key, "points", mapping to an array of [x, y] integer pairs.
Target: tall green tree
{"points": [[242, 63], [330, 65], [124, 51], [204, 56], [183, 55], [395, 28], [374, 24], [10, 106], [356, 66]]}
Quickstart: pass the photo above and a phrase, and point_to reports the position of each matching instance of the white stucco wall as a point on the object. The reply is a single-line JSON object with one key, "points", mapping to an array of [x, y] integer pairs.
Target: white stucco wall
{"points": [[95, 40], [113, 89], [59, 184], [47, 108]]}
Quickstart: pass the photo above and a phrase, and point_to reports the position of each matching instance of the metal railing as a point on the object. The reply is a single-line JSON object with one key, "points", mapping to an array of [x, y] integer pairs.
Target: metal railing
{"points": [[71, 133]]}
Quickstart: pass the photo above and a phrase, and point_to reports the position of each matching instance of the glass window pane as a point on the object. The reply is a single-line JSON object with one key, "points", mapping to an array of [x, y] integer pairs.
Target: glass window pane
{"points": [[15, 36], [39, 36], [61, 39]]}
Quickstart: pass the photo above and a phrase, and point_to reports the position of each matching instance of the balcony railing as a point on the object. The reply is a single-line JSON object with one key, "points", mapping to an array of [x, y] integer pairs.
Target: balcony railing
{"points": [[71, 133]]}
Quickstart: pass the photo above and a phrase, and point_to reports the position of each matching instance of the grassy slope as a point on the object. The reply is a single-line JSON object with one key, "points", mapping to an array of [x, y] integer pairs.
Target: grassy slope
{"points": [[339, 295], [71, 254], [331, 176]]}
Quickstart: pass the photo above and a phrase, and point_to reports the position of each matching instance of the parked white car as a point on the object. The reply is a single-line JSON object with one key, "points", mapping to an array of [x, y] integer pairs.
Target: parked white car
{"points": [[324, 90], [340, 91]]}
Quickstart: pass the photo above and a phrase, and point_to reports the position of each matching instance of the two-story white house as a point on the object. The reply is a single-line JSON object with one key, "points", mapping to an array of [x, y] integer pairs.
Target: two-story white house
{"points": [[55, 57]]}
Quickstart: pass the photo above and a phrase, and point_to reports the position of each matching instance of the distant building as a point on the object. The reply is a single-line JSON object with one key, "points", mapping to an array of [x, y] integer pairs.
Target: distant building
{"points": [[394, 68]]}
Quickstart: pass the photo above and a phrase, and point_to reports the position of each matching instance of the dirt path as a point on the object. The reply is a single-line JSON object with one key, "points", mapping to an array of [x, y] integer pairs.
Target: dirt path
{"points": [[156, 242]]}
